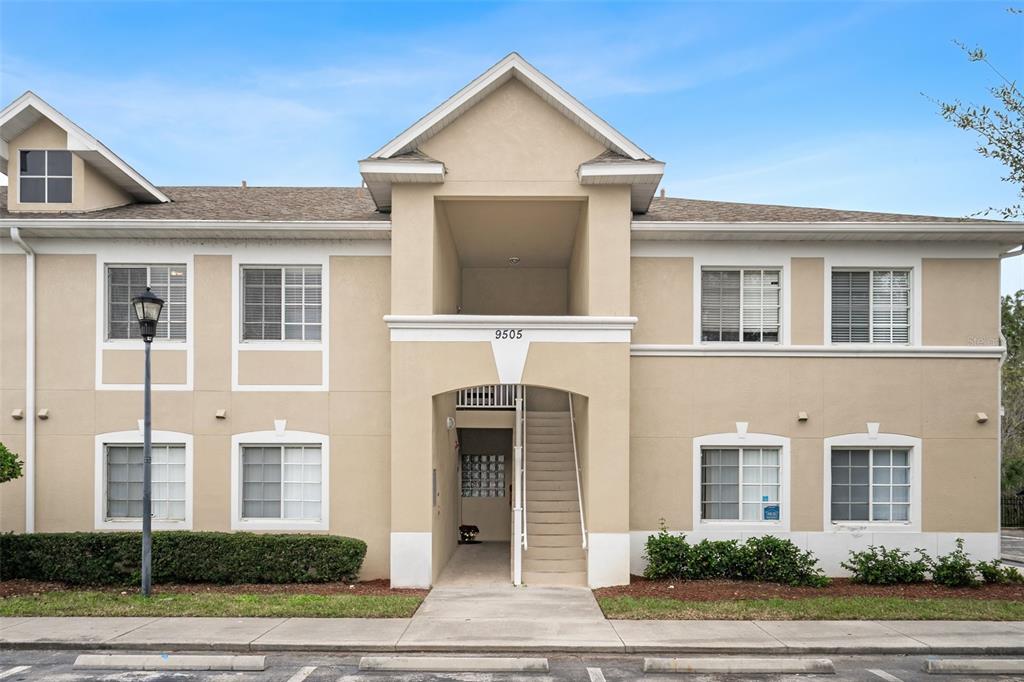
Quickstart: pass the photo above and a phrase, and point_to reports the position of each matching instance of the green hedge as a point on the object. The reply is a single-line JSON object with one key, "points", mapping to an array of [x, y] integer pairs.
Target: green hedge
{"points": [[766, 558], [181, 557]]}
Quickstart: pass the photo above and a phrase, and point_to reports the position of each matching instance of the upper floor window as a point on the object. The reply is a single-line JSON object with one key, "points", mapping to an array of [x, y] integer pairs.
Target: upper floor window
{"points": [[740, 305], [45, 177], [871, 306], [281, 303], [169, 282]]}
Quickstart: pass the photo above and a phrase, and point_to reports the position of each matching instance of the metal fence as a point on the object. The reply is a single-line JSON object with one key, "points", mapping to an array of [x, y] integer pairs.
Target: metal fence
{"points": [[1013, 511]]}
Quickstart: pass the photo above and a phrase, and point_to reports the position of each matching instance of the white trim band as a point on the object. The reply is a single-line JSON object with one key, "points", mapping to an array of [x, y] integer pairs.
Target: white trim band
{"points": [[565, 329], [833, 351]]}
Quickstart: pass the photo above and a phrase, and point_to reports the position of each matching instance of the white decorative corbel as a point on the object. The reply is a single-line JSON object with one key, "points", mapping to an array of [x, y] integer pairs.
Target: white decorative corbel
{"points": [[872, 430], [279, 426], [741, 429]]}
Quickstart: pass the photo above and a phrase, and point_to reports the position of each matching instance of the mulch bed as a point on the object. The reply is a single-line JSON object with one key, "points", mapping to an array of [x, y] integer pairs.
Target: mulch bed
{"points": [[722, 590], [377, 588]]}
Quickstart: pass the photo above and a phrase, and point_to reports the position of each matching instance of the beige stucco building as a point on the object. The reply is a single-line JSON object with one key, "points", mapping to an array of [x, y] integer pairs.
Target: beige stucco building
{"points": [[508, 326]]}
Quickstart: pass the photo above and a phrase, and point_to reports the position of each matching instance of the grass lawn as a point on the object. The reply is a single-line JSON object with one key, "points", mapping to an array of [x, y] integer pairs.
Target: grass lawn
{"points": [[812, 608], [84, 603]]}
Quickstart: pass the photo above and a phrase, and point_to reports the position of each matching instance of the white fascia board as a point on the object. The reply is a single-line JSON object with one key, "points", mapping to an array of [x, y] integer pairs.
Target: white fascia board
{"points": [[1010, 234], [387, 170], [625, 172], [512, 65], [80, 141], [184, 229]]}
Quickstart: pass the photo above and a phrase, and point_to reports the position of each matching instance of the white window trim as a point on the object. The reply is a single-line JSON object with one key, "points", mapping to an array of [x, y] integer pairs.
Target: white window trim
{"points": [[741, 261], [101, 522], [279, 438], [854, 261], [869, 441], [740, 269], [46, 176], [742, 439], [274, 258], [129, 253]]}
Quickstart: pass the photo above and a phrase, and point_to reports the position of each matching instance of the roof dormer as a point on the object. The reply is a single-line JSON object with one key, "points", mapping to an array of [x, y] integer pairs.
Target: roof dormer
{"points": [[53, 165]]}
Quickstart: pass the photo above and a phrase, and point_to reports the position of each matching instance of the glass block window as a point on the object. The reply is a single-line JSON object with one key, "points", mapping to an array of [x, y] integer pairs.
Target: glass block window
{"points": [[281, 482], [740, 305], [871, 306], [483, 475], [124, 482], [44, 176], [281, 303], [740, 484], [169, 282], [871, 484]]}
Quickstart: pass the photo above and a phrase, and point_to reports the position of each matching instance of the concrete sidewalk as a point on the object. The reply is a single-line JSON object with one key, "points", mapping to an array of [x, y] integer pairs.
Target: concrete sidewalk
{"points": [[555, 634]]}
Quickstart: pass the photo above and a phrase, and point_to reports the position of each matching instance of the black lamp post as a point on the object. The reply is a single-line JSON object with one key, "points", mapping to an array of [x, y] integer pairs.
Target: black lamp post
{"points": [[147, 307]]}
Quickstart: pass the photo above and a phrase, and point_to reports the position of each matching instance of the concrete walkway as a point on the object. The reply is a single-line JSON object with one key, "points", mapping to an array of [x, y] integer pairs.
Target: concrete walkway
{"points": [[562, 631]]}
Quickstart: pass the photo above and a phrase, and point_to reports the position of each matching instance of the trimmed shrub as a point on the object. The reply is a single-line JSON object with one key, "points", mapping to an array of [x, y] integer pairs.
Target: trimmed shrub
{"points": [[181, 557], [776, 560], [955, 569], [766, 558], [881, 566], [994, 573], [715, 560], [667, 555]]}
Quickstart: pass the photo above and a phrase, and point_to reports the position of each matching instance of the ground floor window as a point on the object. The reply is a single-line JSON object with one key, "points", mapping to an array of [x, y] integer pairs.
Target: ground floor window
{"points": [[281, 482], [124, 482], [740, 484], [483, 475], [871, 484]]}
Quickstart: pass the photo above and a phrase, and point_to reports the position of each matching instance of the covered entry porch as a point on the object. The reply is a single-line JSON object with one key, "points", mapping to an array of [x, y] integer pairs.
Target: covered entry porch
{"points": [[516, 477], [455, 385]]}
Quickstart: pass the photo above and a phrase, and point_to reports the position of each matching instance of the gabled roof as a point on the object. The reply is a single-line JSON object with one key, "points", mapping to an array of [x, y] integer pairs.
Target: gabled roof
{"points": [[24, 112], [512, 66]]}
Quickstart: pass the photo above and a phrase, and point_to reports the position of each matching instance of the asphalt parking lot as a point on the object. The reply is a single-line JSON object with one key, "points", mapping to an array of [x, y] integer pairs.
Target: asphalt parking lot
{"points": [[17, 666]]}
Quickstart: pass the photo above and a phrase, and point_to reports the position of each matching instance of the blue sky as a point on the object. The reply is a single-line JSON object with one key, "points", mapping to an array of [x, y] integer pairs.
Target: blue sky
{"points": [[808, 103]]}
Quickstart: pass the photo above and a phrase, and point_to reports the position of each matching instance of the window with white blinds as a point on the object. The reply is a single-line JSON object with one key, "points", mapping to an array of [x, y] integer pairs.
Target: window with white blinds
{"points": [[740, 305], [124, 482], [740, 484], [871, 306], [282, 482], [169, 282], [281, 303]]}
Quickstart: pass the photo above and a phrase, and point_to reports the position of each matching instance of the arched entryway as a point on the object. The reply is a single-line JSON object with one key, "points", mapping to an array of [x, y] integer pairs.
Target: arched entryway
{"points": [[507, 487]]}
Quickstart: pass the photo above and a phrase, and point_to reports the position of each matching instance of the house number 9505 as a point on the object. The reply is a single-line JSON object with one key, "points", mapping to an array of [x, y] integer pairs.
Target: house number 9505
{"points": [[508, 333]]}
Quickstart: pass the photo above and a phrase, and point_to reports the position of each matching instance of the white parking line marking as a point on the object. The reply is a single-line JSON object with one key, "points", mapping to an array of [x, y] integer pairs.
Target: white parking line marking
{"points": [[596, 675], [14, 671], [302, 673], [884, 675]]}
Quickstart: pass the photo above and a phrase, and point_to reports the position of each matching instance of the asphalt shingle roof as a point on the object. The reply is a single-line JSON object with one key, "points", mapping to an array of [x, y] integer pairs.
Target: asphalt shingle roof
{"points": [[354, 204], [700, 211], [237, 203]]}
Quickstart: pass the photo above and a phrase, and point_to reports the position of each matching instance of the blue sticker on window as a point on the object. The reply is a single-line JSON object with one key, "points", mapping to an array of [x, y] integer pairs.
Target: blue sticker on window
{"points": [[771, 512]]}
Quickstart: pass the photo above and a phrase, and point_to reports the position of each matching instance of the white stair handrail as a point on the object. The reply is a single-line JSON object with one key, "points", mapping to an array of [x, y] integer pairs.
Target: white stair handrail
{"points": [[576, 460], [526, 531], [518, 518]]}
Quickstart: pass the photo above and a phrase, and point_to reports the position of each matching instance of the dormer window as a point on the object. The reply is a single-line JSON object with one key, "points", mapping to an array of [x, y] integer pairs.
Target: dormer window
{"points": [[45, 177]]}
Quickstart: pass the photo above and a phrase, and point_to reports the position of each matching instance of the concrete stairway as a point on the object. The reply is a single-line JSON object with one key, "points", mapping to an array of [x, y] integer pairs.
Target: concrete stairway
{"points": [[555, 555]]}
